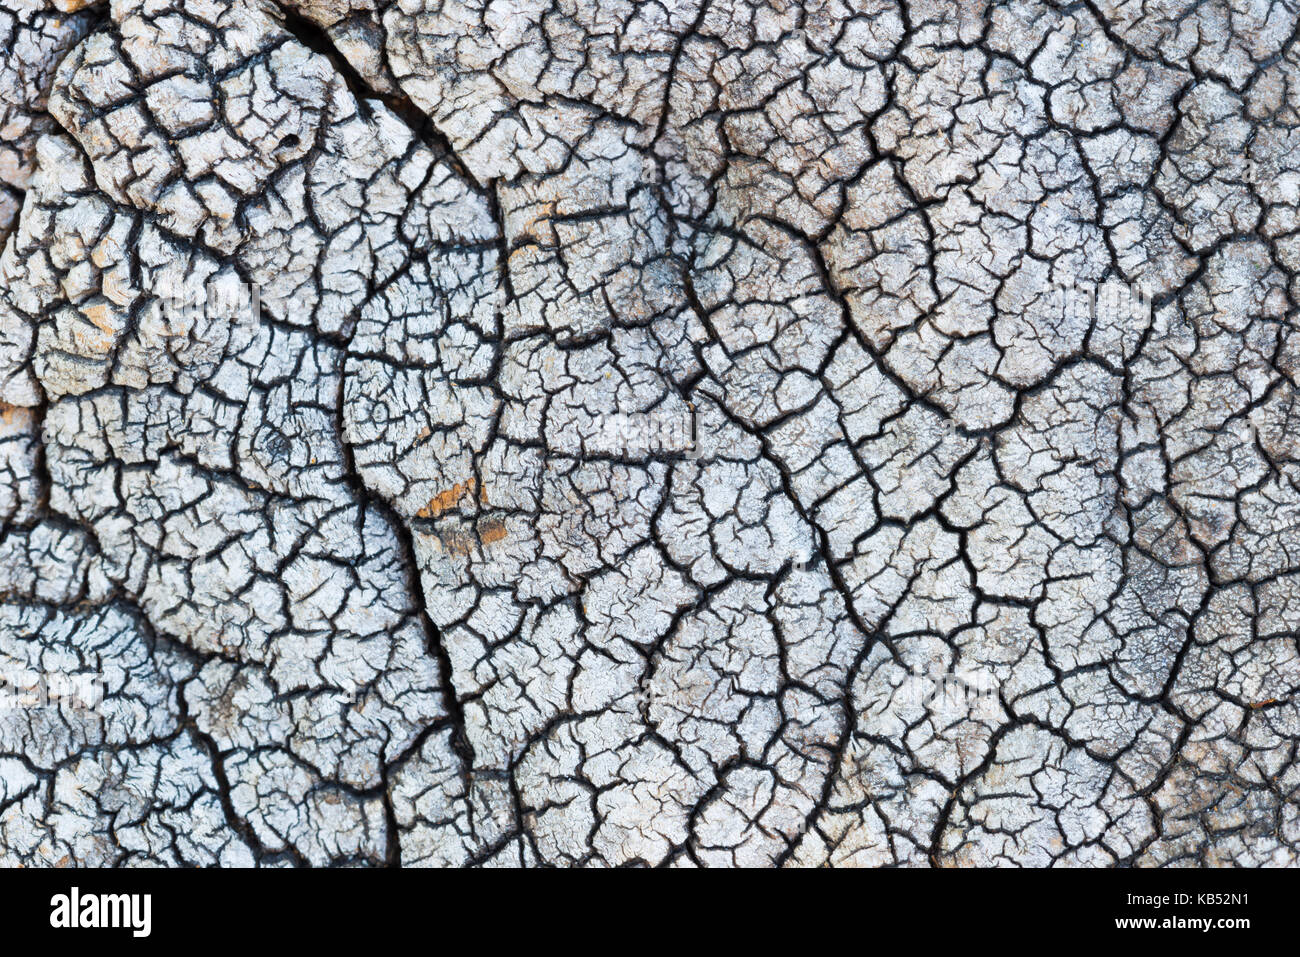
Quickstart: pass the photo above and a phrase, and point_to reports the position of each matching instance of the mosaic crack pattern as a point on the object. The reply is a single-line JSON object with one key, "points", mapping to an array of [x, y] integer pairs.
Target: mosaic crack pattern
{"points": [[702, 432]]}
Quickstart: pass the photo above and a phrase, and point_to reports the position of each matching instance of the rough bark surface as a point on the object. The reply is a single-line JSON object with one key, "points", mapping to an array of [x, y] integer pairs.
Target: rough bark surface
{"points": [[664, 432]]}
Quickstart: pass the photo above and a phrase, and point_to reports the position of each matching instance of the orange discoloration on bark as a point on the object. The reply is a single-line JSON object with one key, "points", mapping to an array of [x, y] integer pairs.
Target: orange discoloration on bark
{"points": [[15, 415], [447, 499], [460, 542], [104, 254], [99, 316]]}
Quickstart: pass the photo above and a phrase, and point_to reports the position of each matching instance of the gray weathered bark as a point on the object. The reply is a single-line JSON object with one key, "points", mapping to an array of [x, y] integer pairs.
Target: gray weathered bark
{"points": [[717, 432]]}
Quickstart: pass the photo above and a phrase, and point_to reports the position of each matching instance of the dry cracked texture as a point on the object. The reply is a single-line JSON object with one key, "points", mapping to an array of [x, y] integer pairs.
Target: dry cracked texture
{"points": [[660, 435]]}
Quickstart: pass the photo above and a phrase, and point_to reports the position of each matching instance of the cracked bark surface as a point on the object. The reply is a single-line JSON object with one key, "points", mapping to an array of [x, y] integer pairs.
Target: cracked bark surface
{"points": [[642, 404]]}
